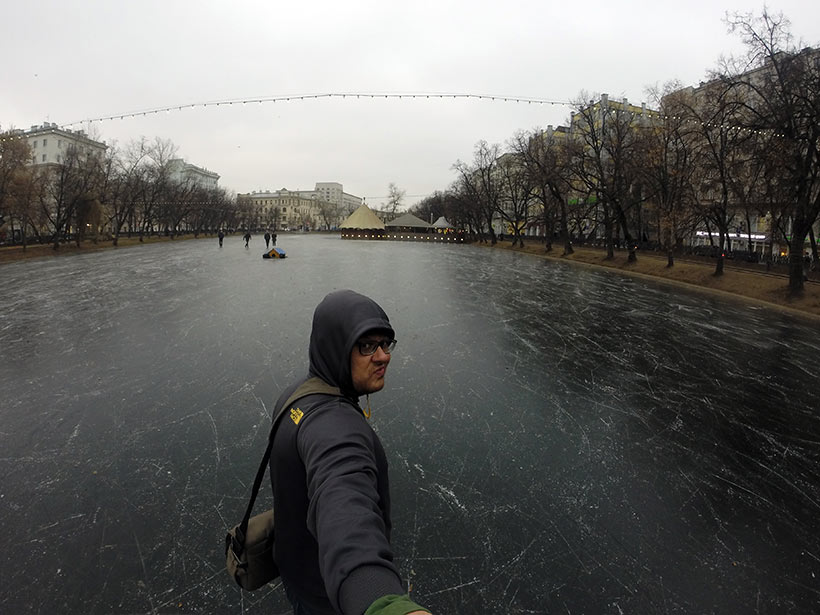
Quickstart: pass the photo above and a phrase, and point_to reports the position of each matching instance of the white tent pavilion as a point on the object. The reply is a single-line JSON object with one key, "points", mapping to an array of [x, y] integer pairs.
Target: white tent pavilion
{"points": [[441, 225], [408, 222], [363, 219]]}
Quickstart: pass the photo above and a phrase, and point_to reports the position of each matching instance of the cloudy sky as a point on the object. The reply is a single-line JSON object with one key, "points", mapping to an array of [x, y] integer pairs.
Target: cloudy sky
{"points": [[71, 61]]}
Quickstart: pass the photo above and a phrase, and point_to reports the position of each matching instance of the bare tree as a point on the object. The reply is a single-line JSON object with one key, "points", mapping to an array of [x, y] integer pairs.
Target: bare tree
{"points": [[245, 214], [21, 188], [479, 184], [668, 167], [546, 157], [204, 211], [24, 205], [716, 113], [463, 206], [128, 185], [15, 176], [152, 205], [748, 187], [179, 202], [779, 85], [429, 207], [328, 213], [68, 185], [775, 196], [395, 197], [438, 204], [606, 163], [516, 188]]}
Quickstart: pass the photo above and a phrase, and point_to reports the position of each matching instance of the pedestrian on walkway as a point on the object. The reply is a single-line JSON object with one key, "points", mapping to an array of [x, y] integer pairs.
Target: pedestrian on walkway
{"points": [[267, 239], [247, 238]]}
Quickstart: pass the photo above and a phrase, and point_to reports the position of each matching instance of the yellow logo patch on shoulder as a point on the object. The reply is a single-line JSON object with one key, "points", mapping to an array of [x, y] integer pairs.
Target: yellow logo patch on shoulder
{"points": [[296, 415]]}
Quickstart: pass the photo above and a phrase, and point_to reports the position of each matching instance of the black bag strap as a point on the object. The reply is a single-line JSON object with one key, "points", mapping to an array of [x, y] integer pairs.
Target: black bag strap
{"points": [[310, 386]]}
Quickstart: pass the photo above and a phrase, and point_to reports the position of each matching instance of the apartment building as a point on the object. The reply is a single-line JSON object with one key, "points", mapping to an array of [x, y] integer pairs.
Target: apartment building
{"points": [[186, 173], [333, 192], [50, 144]]}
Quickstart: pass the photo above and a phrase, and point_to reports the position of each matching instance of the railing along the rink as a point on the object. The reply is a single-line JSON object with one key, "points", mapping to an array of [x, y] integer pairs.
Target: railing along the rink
{"points": [[441, 238]]}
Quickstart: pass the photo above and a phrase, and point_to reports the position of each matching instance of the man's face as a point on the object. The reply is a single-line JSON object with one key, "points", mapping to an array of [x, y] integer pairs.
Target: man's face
{"points": [[367, 371]]}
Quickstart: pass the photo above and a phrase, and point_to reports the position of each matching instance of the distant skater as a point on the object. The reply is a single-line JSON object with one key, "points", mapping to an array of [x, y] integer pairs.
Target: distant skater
{"points": [[247, 238], [267, 240], [273, 237], [221, 236]]}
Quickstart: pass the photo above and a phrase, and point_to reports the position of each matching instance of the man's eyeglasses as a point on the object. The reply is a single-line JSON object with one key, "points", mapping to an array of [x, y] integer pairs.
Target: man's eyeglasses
{"points": [[368, 347]]}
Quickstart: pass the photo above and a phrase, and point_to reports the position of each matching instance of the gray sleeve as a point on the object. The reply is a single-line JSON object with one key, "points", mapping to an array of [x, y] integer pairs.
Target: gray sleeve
{"points": [[355, 557]]}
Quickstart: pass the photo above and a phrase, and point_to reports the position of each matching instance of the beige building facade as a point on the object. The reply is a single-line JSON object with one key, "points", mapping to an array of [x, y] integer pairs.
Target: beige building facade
{"points": [[322, 208]]}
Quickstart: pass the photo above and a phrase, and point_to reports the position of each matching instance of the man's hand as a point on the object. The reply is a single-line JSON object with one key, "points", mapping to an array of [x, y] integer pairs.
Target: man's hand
{"points": [[395, 604]]}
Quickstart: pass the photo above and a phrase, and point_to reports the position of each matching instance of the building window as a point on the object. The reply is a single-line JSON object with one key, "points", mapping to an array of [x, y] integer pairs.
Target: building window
{"points": [[35, 143], [44, 157], [59, 144], [45, 142]]}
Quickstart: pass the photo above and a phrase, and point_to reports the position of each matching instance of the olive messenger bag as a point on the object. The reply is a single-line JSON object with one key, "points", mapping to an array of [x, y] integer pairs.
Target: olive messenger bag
{"points": [[249, 545]]}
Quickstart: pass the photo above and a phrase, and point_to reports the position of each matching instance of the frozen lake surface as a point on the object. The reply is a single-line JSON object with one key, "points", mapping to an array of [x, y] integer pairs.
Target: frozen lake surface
{"points": [[561, 439]]}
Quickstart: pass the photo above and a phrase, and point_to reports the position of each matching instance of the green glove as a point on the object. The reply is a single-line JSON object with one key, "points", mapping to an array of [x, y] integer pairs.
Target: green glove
{"points": [[393, 604]]}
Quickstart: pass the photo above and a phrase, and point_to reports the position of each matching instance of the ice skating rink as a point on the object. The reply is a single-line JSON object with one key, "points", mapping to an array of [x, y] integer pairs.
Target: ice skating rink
{"points": [[561, 439]]}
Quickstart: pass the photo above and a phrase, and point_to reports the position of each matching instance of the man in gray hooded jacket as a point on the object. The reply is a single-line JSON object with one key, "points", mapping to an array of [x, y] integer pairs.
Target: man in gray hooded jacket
{"points": [[329, 472]]}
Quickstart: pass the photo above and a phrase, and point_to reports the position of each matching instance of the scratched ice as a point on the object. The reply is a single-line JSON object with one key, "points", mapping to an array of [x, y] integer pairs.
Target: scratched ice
{"points": [[561, 440]]}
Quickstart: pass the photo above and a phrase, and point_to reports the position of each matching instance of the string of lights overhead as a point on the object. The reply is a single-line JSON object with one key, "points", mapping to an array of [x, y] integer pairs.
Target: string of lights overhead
{"points": [[303, 97], [652, 114], [428, 95]]}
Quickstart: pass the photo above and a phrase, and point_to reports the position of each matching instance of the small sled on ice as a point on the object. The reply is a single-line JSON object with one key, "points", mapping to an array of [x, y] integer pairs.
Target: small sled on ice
{"points": [[274, 253]]}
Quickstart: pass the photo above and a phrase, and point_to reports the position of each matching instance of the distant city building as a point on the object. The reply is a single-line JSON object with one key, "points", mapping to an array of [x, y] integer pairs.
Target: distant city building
{"points": [[50, 144], [186, 173], [53, 149], [322, 208], [333, 192], [601, 108]]}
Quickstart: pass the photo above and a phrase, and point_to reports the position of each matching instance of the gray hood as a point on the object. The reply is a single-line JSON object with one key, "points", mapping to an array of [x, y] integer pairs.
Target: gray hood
{"points": [[339, 320]]}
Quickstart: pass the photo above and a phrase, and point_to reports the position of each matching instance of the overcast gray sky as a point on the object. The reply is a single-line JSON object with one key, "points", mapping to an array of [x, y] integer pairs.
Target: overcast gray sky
{"points": [[76, 60]]}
